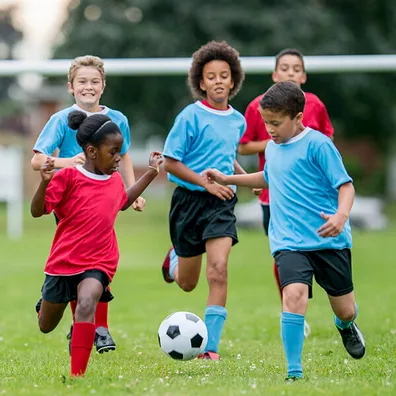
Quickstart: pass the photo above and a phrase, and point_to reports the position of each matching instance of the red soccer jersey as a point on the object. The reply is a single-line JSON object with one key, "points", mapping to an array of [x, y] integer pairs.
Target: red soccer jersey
{"points": [[315, 116], [87, 206]]}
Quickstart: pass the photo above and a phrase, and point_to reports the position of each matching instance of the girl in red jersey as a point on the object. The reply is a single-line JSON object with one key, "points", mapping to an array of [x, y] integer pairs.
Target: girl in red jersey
{"points": [[84, 253]]}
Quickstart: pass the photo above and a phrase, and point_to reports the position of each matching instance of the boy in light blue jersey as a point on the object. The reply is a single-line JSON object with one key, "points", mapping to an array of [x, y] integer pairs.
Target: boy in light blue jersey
{"points": [[311, 195], [86, 83], [205, 134]]}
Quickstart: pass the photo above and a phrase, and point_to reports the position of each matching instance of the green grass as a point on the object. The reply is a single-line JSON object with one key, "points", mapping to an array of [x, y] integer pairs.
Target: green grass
{"points": [[252, 356]]}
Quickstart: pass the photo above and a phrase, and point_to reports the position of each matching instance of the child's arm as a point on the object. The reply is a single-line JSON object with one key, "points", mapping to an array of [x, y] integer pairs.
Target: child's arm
{"points": [[252, 147], [39, 159], [183, 172], [335, 223], [250, 180], [37, 207], [134, 191], [128, 175]]}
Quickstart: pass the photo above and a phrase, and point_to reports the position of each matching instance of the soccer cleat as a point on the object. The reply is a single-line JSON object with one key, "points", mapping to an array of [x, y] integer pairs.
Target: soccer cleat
{"points": [[353, 341], [209, 356], [103, 340], [292, 379], [38, 305], [307, 329], [165, 267], [69, 337]]}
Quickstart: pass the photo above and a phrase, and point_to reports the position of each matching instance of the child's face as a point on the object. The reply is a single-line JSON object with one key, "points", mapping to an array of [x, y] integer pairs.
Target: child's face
{"points": [[217, 82], [290, 68], [106, 158], [87, 87], [280, 126]]}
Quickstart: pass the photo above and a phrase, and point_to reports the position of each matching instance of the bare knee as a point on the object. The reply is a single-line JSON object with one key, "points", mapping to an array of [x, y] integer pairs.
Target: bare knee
{"points": [[45, 327], [294, 299], [187, 286], [85, 309], [217, 273]]}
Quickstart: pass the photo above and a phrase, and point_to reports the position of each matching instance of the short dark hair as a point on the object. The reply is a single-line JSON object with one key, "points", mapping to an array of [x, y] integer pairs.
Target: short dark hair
{"points": [[215, 50], [284, 97], [289, 51], [93, 129]]}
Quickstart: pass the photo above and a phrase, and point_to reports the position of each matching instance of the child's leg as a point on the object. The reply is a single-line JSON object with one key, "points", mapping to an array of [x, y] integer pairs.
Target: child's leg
{"points": [[50, 315], [186, 272], [346, 311], [217, 251], [89, 291], [294, 304]]}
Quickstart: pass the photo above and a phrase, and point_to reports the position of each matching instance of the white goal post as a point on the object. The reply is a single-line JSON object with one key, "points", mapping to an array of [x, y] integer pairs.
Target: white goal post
{"points": [[180, 66]]}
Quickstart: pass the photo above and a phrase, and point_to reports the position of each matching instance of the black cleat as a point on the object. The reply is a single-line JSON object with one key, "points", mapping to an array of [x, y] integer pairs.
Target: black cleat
{"points": [[69, 336], [291, 379], [38, 305], [103, 340], [353, 341]]}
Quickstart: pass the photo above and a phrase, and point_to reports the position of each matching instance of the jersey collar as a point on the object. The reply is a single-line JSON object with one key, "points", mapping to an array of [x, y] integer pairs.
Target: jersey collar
{"points": [[93, 176], [298, 137], [104, 110]]}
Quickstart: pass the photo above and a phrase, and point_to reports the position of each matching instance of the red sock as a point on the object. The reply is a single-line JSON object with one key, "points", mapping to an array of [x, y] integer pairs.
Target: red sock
{"points": [[81, 345], [73, 305], [276, 273], [101, 315]]}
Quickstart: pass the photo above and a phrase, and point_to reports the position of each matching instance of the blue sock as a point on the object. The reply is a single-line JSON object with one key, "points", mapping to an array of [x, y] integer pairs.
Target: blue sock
{"points": [[293, 340], [215, 315], [344, 325], [174, 260]]}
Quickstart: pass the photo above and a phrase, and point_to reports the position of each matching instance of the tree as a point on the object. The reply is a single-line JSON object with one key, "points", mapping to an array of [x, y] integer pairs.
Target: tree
{"points": [[359, 104]]}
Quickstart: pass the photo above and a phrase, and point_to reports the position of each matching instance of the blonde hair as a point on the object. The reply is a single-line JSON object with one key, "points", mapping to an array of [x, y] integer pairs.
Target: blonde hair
{"points": [[86, 61]]}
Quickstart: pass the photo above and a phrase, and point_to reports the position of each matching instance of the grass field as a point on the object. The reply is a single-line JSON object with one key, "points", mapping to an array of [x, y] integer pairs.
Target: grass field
{"points": [[252, 356]]}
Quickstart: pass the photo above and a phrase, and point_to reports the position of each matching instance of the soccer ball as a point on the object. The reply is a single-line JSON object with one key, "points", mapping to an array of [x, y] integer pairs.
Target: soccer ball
{"points": [[183, 335]]}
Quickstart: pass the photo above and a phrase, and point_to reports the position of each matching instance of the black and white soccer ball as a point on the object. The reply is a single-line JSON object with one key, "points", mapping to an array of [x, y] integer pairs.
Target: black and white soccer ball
{"points": [[183, 335]]}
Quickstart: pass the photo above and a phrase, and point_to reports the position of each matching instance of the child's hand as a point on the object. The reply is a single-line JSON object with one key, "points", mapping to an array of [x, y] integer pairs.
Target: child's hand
{"points": [[78, 159], [47, 170], [333, 226], [139, 204], [257, 191], [222, 192], [214, 175], [156, 159]]}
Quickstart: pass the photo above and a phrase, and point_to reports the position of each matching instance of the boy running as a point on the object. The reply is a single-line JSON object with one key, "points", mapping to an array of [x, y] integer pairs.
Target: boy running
{"points": [[311, 196]]}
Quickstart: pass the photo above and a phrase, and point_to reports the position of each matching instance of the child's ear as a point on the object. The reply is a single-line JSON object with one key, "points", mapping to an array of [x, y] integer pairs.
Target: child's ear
{"points": [[299, 116], [91, 152], [202, 86], [70, 88]]}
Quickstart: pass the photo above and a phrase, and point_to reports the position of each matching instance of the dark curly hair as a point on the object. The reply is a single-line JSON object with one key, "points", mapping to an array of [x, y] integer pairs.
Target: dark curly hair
{"points": [[215, 50]]}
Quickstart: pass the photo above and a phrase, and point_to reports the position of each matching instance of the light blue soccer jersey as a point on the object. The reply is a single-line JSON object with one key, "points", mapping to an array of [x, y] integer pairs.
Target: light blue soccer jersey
{"points": [[304, 175], [56, 133], [202, 138]]}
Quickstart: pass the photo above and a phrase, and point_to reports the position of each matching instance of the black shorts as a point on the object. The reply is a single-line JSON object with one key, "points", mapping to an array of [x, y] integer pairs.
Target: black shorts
{"points": [[266, 217], [195, 217], [63, 289], [332, 269]]}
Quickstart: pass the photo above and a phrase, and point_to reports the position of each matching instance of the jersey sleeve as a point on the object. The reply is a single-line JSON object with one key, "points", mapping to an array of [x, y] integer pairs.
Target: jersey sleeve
{"points": [[250, 134], [265, 173], [56, 190], [325, 124], [51, 136], [179, 139], [330, 161], [126, 134]]}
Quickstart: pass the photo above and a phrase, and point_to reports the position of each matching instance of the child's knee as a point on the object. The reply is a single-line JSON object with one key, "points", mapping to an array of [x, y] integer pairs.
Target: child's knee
{"points": [[86, 306], [294, 298], [187, 286]]}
